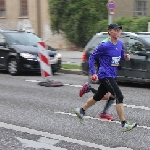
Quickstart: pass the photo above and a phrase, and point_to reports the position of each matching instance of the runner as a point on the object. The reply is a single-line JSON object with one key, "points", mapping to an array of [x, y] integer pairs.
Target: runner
{"points": [[87, 88], [104, 115], [109, 55]]}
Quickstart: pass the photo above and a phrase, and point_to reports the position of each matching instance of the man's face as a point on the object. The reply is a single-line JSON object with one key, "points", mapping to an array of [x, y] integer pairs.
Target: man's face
{"points": [[115, 33]]}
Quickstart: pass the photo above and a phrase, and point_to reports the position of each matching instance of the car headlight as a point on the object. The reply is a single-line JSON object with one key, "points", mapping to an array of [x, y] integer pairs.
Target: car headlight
{"points": [[27, 55], [58, 55]]}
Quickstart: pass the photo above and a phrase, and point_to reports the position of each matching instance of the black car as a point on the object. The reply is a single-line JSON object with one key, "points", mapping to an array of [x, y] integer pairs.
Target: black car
{"points": [[19, 52], [137, 45]]}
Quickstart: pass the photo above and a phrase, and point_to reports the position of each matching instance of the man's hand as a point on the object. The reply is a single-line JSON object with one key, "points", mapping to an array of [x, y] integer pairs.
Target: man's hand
{"points": [[127, 57], [94, 77]]}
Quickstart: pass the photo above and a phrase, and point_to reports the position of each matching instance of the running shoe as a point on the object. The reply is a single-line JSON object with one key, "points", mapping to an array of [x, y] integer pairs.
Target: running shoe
{"points": [[80, 114], [84, 89], [128, 126], [106, 116]]}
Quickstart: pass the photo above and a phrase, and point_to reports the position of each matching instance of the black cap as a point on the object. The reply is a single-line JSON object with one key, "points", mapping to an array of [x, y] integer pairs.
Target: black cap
{"points": [[114, 26]]}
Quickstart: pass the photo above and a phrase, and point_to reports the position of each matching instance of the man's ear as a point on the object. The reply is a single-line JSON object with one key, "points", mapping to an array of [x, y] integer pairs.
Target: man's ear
{"points": [[109, 32]]}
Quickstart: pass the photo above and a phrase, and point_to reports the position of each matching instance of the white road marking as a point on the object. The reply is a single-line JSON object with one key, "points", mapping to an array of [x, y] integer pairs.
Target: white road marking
{"points": [[48, 141], [76, 85], [39, 144], [140, 107], [56, 137], [32, 80], [129, 106], [88, 117], [134, 106]]}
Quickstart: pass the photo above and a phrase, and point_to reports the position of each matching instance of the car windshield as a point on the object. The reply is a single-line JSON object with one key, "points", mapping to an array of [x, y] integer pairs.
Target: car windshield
{"points": [[22, 38], [98, 40]]}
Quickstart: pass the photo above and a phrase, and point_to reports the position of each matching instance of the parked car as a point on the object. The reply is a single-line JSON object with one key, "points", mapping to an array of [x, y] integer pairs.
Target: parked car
{"points": [[137, 45], [19, 52]]}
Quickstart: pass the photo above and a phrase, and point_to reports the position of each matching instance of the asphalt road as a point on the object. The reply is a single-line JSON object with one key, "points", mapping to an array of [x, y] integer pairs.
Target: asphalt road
{"points": [[36, 117]]}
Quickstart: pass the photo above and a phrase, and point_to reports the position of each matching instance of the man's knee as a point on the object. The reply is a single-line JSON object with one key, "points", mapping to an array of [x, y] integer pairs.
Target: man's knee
{"points": [[106, 96], [119, 99], [97, 97]]}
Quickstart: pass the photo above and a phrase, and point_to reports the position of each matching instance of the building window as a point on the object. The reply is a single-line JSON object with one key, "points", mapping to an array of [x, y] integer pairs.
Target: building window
{"points": [[140, 8], [2, 8], [23, 8]]}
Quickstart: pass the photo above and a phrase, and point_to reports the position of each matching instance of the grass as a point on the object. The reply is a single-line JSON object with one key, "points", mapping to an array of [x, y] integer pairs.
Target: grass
{"points": [[71, 66]]}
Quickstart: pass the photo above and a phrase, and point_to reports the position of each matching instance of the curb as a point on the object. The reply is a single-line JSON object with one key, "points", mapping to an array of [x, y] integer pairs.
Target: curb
{"points": [[73, 71]]}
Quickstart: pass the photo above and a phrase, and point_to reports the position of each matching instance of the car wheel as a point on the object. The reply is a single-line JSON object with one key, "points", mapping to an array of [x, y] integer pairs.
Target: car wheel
{"points": [[13, 67], [89, 76]]}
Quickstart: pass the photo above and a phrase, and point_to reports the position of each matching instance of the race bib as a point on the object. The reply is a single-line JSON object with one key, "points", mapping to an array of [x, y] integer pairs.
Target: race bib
{"points": [[115, 61]]}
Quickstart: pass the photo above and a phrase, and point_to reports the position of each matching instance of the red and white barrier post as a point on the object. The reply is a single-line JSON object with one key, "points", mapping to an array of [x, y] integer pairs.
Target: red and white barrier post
{"points": [[46, 66], [44, 60]]}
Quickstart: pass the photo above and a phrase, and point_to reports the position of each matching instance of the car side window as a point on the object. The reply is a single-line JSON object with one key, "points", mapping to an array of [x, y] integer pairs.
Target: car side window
{"points": [[2, 38], [134, 45]]}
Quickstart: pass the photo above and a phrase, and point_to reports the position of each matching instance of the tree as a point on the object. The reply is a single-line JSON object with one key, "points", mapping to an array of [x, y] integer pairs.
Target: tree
{"points": [[78, 19]]}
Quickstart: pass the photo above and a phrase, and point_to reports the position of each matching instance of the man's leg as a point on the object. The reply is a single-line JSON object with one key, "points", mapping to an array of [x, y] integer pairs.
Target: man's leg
{"points": [[104, 115], [80, 112], [109, 102], [84, 89], [113, 88], [120, 111], [90, 102]]}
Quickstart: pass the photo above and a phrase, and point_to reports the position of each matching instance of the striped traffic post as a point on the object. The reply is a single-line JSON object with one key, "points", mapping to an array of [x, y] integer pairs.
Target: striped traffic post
{"points": [[45, 66], [44, 60]]}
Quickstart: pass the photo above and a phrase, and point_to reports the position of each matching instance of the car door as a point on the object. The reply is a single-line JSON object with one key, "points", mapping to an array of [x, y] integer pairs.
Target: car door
{"points": [[136, 68], [4, 50], [145, 39], [123, 65]]}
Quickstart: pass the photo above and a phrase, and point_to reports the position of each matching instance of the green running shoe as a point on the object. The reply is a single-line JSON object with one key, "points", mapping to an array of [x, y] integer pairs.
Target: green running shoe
{"points": [[128, 126]]}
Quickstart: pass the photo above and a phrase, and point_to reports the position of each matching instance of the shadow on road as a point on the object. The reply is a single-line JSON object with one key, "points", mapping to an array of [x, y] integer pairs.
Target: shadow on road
{"points": [[135, 85]]}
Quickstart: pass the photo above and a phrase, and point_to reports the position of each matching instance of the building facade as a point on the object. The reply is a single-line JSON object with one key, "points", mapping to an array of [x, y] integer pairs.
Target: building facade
{"points": [[33, 15], [132, 8]]}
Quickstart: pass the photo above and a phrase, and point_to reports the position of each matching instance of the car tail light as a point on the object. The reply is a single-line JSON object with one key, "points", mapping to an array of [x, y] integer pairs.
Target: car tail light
{"points": [[84, 57]]}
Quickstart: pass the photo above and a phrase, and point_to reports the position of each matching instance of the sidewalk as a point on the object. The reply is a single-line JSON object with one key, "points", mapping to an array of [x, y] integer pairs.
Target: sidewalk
{"points": [[71, 57]]}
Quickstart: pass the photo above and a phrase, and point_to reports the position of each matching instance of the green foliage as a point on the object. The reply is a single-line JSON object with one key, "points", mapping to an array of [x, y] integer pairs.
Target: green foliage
{"points": [[129, 24], [125, 22], [140, 24], [134, 24], [79, 20]]}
